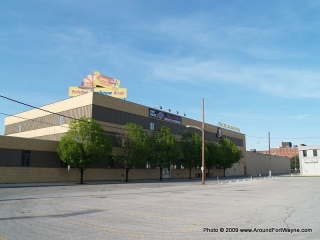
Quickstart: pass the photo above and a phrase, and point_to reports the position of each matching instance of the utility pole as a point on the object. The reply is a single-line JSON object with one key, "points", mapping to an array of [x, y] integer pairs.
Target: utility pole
{"points": [[202, 131], [269, 155], [202, 168]]}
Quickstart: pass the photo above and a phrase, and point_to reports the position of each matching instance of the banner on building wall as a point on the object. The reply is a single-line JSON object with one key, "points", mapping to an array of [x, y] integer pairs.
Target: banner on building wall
{"points": [[311, 160], [98, 83], [165, 116]]}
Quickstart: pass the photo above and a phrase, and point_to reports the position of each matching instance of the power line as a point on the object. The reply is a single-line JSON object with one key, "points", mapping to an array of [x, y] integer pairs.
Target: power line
{"points": [[255, 136], [46, 123], [77, 119], [28, 119], [109, 134], [283, 138]]}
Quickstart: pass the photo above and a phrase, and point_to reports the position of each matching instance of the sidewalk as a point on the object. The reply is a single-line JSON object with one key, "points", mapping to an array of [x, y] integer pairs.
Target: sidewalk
{"points": [[220, 180], [22, 185], [54, 184]]}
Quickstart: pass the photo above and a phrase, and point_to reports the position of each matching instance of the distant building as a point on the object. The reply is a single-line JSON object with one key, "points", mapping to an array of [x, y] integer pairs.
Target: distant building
{"points": [[286, 150], [286, 144], [309, 160]]}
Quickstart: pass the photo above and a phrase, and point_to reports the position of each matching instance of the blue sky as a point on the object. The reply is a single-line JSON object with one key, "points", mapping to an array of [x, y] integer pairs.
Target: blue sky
{"points": [[256, 63]]}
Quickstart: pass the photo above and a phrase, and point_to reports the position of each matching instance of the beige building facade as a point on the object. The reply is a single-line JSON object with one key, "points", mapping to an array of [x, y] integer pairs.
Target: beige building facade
{"points": [[28, 149]]}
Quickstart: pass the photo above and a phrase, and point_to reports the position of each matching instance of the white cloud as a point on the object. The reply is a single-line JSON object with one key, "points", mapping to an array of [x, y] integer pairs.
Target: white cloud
{"points": [[284, 82], [304, 117]]}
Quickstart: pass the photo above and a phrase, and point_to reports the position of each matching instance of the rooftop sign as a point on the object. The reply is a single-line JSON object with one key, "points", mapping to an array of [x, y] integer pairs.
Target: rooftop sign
{"points": [[228, 126], [98, 83]]}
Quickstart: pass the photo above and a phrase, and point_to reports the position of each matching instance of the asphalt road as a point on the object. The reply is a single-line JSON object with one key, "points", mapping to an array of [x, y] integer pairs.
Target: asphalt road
{"points": [[164, 210]]}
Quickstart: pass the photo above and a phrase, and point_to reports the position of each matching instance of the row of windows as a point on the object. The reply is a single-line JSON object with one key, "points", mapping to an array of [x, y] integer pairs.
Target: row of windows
{"points": [[61, 122], [35, 123], [305, 153], [109, 116], [209, 136], [27, 158], [48, 120]]}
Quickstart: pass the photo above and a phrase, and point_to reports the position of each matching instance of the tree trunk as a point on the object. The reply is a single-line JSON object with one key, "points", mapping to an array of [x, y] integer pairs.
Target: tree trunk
{"points": [[224, 172], [81, 175], [161, 173], [189, 173], [127, 173]]}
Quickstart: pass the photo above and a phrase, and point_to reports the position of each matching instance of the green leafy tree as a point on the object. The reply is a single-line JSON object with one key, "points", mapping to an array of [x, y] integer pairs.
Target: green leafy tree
{"points": [[84, 144], [230, 154], [165, 148], [212, 155], [191, 147], [135, 143], [294, 162]]}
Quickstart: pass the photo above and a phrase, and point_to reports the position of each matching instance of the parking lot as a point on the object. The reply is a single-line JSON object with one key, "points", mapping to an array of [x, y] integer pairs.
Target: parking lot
{"points": [[271, 208]]}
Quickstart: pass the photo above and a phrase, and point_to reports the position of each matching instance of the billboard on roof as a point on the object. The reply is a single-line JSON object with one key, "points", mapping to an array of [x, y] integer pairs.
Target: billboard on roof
{"points": [[99, 83]]}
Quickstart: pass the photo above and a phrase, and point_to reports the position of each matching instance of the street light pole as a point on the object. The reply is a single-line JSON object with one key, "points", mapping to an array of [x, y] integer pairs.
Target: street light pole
{"points": [[202, 131], [202, 168]]}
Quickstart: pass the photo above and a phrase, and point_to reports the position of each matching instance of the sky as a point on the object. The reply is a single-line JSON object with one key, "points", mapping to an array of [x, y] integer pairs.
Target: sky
{"points": [[255, 63]]}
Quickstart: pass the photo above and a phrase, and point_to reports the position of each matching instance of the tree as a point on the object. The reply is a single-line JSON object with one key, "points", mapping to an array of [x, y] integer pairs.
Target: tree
{"points": [[230, 154], [212, 155], [136, 146], [294, 162], [191, 150], [84, 144], [165, 148]]}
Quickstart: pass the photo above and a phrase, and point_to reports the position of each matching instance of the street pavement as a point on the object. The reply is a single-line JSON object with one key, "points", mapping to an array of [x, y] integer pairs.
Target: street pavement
{"points": [[281, 207]]}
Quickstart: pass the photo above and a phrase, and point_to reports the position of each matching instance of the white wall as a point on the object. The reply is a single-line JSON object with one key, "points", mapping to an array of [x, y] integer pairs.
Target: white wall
{"points": [[258, 163], [310, 164]]}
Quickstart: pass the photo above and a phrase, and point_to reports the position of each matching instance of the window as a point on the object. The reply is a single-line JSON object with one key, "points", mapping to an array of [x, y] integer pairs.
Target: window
{"points": [[60, 120], [304, 152], [315, 153], [152, 126], [25, 158]]}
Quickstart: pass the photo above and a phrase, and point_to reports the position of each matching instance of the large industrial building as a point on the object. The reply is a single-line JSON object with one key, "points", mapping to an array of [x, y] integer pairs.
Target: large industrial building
{"points": [[50, 122], [28, 149]]}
